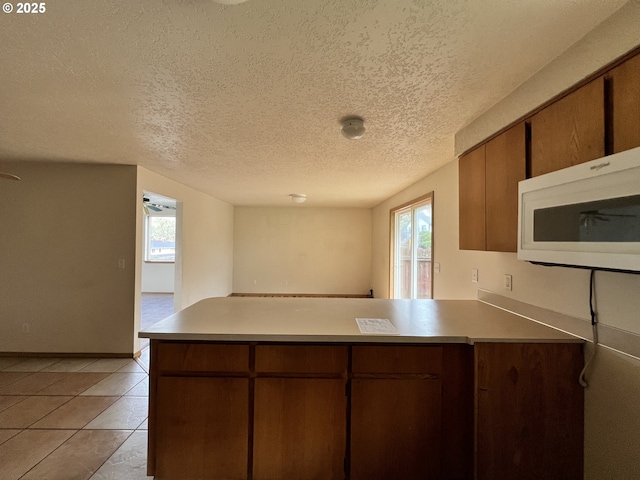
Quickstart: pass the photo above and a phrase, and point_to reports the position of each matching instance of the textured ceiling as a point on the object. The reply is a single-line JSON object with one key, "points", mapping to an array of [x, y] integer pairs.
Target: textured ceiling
{"points": [[244, 102]]}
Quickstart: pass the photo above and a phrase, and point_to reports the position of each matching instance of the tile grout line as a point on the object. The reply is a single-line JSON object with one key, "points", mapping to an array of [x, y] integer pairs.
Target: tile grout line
{"points": [[77, 430], [69, 439], [55, 409], [109, 457], [50, 453]]}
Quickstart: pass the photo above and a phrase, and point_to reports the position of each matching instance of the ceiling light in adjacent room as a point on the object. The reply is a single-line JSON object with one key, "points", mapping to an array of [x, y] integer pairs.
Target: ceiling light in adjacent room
{"points": [[298, 197], [353, 128], [9, 176], [229, 2]]}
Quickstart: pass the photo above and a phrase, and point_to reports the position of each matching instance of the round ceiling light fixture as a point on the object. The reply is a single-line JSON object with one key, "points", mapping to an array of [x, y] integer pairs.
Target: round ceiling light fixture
{"points": [[353, 128], [9, 176], [298, 197]]}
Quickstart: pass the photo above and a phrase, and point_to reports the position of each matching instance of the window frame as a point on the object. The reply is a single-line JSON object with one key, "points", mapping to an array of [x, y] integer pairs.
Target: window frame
{"points": [[410, 205], [147, 238]]}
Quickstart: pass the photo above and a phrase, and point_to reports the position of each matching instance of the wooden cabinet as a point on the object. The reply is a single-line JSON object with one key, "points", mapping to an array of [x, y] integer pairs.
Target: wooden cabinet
{"points": [[398, 434], [300, 429], [201, 393], [301, 359], [399, 359], [505, 167], [203, 357], [599, 118], [382, 411], [201, 428], [529, 411], [471, 179], [569, 131], [488, 181], [625, 83], [300, 416], [457, 438], [396, 413]]}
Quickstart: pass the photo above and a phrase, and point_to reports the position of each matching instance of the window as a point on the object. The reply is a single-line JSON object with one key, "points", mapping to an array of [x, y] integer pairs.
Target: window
{"points": [[160, 239], [411, 249]]}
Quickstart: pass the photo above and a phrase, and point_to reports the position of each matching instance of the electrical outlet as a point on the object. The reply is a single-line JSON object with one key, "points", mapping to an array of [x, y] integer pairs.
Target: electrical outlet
{"points": [[436, 267], [121, 263], [255, 282], [474, 275], [507, 282], [25, 328]]}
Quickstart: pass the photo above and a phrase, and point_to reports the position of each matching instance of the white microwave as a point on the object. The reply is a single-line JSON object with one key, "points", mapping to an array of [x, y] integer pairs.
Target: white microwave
{"points": [[587, 215]]}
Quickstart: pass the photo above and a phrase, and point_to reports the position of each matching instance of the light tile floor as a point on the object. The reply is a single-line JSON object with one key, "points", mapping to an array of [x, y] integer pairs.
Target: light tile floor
{"points": [[73, 418]]}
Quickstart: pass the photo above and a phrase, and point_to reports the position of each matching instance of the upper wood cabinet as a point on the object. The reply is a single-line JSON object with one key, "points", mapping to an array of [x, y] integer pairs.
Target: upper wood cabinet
{"points": [[569, 131], [505, 167], [625, 83], [489, 177], [599, 118], [472, 197]]}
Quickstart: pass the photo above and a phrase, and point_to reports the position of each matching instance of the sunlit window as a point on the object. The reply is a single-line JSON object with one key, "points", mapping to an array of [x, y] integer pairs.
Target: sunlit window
{"points": [[160, 239], [412, 249]]}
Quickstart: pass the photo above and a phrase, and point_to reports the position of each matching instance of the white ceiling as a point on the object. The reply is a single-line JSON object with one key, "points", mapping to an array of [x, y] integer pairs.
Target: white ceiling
{"points": [[244, 102]]}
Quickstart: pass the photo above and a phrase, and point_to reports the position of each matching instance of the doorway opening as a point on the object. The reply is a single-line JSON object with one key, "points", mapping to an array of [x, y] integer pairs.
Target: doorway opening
{"points": [[161, 258], [412, 249]]}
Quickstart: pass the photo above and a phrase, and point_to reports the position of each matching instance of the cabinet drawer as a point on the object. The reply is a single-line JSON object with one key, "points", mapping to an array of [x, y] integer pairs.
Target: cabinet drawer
{"points": [[301, 358], [202, 357], [401, 359]]}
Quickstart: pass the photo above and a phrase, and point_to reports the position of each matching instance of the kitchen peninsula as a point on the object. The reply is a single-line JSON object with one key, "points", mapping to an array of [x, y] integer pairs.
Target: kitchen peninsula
{"points": [[289, 388]]}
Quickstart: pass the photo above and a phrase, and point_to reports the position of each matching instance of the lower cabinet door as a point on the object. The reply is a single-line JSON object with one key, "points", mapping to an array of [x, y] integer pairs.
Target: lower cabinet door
{"points": [[529, 411], [202, 428], [396, 429], [299, 429]]}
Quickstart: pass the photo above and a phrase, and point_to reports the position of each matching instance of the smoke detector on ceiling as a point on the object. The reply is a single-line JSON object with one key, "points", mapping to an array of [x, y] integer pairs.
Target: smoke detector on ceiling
{"points": [[298, 197], [353, 128]]}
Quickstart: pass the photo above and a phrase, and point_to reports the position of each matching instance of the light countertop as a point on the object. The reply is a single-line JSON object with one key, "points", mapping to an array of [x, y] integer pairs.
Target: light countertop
{"points": [[276, 319]]}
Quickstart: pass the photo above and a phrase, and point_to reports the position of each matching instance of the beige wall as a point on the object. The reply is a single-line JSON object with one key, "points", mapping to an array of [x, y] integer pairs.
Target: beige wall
{"points": [[62, 230], [560, 289], [611, 39], [204, 267], [158, 277], [612, 422], [443, 184], [302, 250]]}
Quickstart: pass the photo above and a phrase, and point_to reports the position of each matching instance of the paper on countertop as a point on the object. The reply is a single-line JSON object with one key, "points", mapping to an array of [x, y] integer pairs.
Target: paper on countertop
{"points": [[376, 326]]}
